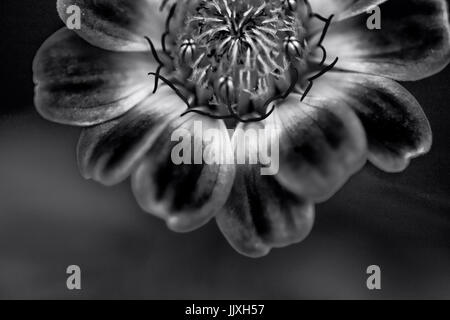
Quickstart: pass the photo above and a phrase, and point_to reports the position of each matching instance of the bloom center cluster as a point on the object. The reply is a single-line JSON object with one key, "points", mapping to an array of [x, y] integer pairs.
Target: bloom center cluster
{"points": [[238, 48]]}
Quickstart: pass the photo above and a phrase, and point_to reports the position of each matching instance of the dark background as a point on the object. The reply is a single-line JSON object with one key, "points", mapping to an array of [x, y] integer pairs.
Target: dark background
{"points": [[51, 218]]}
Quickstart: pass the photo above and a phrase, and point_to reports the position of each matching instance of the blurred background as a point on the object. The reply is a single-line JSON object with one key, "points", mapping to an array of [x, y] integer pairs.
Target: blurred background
{"points": [[51, 218]]}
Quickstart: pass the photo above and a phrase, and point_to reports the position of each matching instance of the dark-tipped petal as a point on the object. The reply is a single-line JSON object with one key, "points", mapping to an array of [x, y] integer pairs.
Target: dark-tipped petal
{"points": [[184, 178], [322, 144], [108, 152], [413, 43], [342, 9], [118, 25], [79, 84], [396, 127], [260, 213]]}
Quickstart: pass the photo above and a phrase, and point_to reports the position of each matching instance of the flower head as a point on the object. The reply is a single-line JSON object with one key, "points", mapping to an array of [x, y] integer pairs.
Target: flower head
{"points": [[139, 71]]}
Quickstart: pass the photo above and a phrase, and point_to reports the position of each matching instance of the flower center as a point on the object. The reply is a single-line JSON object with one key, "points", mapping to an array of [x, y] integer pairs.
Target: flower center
{"points": [[237, 50], [243, 56]]}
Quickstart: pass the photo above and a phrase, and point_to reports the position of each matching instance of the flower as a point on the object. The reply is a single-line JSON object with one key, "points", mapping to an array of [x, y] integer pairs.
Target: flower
{"points": [[311, 69]]}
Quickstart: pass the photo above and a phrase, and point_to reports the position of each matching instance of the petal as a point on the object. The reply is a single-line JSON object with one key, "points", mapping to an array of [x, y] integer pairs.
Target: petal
{"points": [[396, 127], [118, 25], [322, 143], [174, 183], [261, 214], [343, 9], [412, 44], [79, 84], [109, 152]]}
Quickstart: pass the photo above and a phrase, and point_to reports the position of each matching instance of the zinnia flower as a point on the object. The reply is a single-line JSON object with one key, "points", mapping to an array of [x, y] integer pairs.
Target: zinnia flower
{"points": [[138, 70]]}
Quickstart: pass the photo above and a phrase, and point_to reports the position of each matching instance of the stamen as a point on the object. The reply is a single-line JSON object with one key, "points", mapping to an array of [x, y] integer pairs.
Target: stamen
{"points": [[318, 75], [236, 116], [292, 5], [311, 13], [269, 101], [322, 38], [163, 5], [160, 63], [172, 86], [167, 32], [208, 114]]}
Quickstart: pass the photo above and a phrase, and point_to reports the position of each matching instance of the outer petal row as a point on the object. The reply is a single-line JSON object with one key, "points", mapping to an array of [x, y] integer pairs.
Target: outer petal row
{"points": [[413, 43], [109, 152], [343, 9], [320, 144], [186, 193], [396, 127], [119, 25], [79, 84]]}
